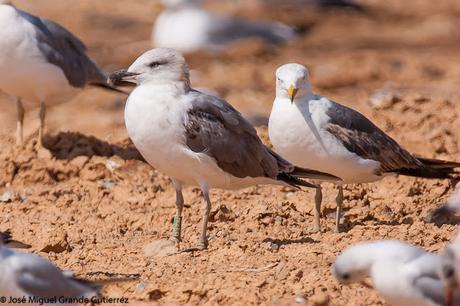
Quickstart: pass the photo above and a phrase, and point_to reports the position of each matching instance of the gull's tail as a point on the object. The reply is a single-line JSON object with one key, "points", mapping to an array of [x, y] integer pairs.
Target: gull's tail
{"points": [[433, 168], [294, 175]]}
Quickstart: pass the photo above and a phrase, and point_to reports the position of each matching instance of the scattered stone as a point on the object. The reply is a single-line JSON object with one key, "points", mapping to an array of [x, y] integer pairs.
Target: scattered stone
{"points": [[160, 248], [384, 98], [7, 197], [300, 299]]}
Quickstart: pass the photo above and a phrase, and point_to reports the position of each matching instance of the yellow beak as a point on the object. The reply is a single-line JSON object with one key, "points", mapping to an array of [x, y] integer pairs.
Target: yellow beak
{"points": [[292, 91]]}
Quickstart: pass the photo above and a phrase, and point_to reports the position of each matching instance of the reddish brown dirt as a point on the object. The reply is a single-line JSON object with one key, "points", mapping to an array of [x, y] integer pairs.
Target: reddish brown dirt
{"points": [[89, 205]]}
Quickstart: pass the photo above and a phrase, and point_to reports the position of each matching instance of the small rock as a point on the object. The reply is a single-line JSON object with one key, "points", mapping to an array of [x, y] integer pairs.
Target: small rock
{"points": [[320, 299], [6, 197], [107, 184], [300, 299], [160, 248], [112, 165], [384, 98]]}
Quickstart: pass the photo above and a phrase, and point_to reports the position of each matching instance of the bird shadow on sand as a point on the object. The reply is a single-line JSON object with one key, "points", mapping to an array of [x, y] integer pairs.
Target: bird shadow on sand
{"points": [[281, 242], [69, 145]]}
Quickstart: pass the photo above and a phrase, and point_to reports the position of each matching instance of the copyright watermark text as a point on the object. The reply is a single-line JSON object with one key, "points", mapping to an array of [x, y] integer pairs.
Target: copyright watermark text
{"points": [[62, 300]]}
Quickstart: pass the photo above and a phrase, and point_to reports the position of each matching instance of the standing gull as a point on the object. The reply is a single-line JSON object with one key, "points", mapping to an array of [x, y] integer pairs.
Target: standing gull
{"points": [[187, 27], [402, 274], [41, 60], [315, 132], [196, 138]]}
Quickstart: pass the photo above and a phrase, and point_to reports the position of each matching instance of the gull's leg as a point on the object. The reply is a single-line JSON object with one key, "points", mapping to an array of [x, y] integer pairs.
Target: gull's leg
{"points": [[318, 200], [203, 242], [339, 201], [42, 115], [177, 223], [20, 122]]}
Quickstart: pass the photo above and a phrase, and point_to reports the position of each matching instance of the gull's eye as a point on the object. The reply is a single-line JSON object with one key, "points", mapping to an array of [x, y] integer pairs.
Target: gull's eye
{"points": [[154, 64], [449, 272], [346, 276]]}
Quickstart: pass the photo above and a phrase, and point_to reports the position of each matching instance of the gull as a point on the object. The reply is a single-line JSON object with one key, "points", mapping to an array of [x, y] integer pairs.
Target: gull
{"points": [[187, 27], [314, 132], [41, 60], [196, 138], [32, 277], [402, 274]]}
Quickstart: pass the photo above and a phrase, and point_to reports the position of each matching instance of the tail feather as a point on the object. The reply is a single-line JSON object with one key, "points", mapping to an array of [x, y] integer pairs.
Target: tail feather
{"points": [[294, 181], [313, 174], [433, 168]]}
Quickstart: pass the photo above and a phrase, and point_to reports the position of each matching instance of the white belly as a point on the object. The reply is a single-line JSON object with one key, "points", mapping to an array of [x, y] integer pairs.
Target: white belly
{"points": [[155, 123], [302, 141]]}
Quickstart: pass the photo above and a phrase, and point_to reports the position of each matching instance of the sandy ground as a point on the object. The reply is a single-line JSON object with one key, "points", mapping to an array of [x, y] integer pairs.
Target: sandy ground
{"points": [[90, 206]]}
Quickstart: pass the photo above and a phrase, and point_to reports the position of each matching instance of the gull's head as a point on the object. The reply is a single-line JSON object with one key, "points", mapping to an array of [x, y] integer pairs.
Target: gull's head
{"points": [[349, 267], [292, 82], [157, 66]]}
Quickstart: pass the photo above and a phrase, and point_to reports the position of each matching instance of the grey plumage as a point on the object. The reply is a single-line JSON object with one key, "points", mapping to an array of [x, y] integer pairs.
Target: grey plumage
{"points": [[216, 128], [228, 29], [360, 136], [63, 49], [39, 277]]}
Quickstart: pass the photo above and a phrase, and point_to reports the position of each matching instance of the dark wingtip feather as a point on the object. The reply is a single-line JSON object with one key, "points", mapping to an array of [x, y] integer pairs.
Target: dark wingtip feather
{"points": [[313, 174], [294, 181]]}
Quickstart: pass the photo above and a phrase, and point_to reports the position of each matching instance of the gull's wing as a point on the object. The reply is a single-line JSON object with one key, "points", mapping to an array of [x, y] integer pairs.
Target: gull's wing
{"points": [[215, 128], [65, 50], [39, 277], [360, 136], [225, 29]]}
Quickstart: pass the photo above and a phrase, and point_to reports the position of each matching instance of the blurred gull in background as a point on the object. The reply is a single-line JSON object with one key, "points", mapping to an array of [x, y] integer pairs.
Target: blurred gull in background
{"points": [[41, 60], [186, 26], [402, 274]]}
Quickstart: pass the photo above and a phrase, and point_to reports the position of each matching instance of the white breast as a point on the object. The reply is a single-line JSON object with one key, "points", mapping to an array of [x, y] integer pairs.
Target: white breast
{"points": [[24, 71], [155, 121], [297, 132], [184, 30]]}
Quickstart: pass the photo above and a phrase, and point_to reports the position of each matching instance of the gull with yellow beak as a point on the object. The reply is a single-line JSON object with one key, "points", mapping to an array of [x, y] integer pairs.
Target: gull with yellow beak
{"points": [[314, 132]]}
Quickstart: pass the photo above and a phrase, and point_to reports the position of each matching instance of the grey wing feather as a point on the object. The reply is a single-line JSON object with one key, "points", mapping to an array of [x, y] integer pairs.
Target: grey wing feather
{"points": [[65, 50], [362, 137], [227, 29], [215, 128], [38, 277]]}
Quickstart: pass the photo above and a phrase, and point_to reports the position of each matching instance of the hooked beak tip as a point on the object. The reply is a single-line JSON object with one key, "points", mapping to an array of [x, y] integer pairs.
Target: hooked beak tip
{"points": [[122, 77]]}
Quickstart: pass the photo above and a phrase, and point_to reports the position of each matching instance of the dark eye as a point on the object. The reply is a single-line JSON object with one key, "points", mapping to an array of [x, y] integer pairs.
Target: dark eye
{"points": [[154, 64], [346, 276], [449, 272]]}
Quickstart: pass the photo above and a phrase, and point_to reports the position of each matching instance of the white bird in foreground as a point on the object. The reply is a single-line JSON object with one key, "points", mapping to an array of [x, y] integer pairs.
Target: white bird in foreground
{"points": [[40, 60], [196, 138], [38, 280], [314, 132], [187, 27], [402, 274]]}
